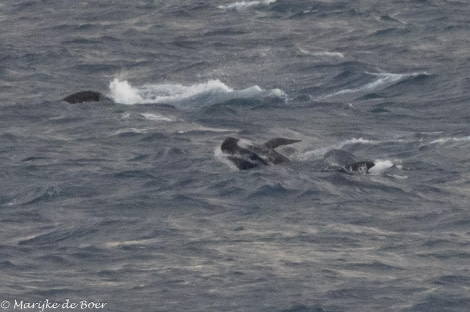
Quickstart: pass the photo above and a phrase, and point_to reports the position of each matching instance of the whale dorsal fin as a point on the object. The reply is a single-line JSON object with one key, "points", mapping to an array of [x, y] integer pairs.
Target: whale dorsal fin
{"points": [[273, 143]]}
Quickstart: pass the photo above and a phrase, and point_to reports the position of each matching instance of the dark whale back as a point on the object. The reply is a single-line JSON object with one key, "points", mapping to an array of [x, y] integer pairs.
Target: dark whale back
{"points": [[249, 155], [84, 96], [346, 162], [230, 145]]}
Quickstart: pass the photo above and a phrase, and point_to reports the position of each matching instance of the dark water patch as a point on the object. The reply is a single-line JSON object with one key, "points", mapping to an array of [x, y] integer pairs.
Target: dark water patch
{"points": [[59, 236], [388, 18], [155, 137], [8, 265], [139, 174], [443, 303], [52, 292], [270, 190], [102, 67], [435, 243], [392, 31], [54, 261], [296, 6], [422, 83], [38, 195], [376, 266], [82, 41], [141, 158], [228, 188], [417, 80], [191, 201], [303, 308], [170, 154], [90, 253], [371, 96], [379, 110], [227, 31], [453, 280], [445, 255], [34, 159]]}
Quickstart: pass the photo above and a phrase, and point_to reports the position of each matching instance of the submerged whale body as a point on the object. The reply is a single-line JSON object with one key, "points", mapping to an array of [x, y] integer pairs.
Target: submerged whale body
{"points": [[346, 162], [247, 155], [84, 96]]}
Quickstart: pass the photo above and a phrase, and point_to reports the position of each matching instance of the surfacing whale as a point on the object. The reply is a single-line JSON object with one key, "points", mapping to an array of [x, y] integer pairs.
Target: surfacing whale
{"points": [[247, 155], [346, 162], [84, 96]]}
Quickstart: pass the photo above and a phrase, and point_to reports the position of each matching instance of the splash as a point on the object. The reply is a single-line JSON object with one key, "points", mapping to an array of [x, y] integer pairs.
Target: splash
{"points": [[242, 5], [191, 97], [123, 92], [380, 166]]}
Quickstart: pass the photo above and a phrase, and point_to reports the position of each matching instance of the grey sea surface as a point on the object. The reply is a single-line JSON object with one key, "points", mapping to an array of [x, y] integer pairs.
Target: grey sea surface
{"points": [[129, 201]]}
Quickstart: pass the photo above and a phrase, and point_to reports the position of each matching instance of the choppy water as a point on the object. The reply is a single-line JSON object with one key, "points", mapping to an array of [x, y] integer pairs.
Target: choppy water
{"points": [[127, 203]]}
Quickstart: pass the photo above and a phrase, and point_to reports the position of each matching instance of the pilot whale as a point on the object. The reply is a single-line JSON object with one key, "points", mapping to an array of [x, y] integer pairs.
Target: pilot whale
{"points": [[247, 155], [346, 162], [85, 96]]}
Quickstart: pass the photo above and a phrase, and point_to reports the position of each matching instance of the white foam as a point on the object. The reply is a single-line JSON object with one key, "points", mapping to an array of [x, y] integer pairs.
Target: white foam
{"points": [[220, 156], [157, 117], [380, 166], [190, 97], [130, 130], [112, 244], [195, 127], [242, 5], [322, 53], [356, 141], [454, 139]]}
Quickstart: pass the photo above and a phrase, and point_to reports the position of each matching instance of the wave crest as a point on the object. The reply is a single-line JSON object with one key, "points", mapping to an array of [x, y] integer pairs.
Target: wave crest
{"points": [[191, 97], [242, 5]]}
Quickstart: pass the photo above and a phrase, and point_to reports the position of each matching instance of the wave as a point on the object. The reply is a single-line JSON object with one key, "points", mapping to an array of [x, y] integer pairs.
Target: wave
{"points": [[157, 117], [222, 157], [193, 97], [321, 53], [323, 150], [450, 139], [242, 5], [383, 81], [31, 196], [381, 165]]}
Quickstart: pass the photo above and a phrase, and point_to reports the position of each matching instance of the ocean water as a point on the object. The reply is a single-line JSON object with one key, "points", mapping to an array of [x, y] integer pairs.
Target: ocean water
{"points": [[127, 202]]}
